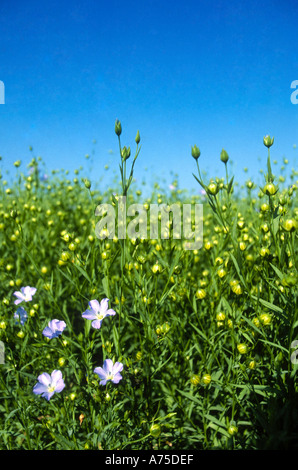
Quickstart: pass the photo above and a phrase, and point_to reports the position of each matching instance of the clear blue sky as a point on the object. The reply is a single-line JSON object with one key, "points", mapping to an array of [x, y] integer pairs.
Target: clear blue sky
{"points": [[212, 73]]}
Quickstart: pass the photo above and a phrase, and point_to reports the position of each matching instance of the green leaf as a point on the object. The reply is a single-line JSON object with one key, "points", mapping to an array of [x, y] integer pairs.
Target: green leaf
{"points": [[105, 284], [278, 272], [230, 186], [267, 304], [217, 425], [191, 397], [270, 175], [83, 272]]}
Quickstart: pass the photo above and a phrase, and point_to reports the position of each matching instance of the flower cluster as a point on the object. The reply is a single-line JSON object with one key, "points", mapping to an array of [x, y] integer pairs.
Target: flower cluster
{"points": [[47, 384], [97, 312]]}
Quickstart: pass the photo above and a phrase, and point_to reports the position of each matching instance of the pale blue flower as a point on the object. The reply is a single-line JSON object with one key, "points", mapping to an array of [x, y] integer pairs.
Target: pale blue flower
{"points": [[109, 371], [47, 384], [54, 329], [25, 294], [21, 315], [97, 312]]}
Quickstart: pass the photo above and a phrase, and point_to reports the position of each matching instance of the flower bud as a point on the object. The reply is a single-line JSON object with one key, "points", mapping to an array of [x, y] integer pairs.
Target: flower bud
{"points": [[87, 183], [61, 361], [165, 328], [289, 280], [195, 380], [268, 141], [155, 430], [125, 153], [232, 430], [213, 188], [265, 319], [195, 152], [236, 287], [221, 273], [224, 156], [206, 379], [270, 189], [252, 364], [220, 316], [138, 138], [156, 268], [200, 294], [139, 356], [290, 225], [242, 348], [118, 128]]}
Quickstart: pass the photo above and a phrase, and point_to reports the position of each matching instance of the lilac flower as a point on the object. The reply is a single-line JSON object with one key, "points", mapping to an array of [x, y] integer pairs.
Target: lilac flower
{"points": [[54, 329], [47, 384], [25, 294], [21, 315], [97, 312], [109, 371]]}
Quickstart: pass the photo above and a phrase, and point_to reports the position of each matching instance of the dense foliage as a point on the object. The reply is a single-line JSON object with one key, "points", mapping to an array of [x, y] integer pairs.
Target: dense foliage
{"points": [[206, 337]]}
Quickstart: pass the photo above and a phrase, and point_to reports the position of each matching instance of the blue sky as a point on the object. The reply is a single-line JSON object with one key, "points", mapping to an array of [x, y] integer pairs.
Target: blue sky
{"points": [[212, 73]]}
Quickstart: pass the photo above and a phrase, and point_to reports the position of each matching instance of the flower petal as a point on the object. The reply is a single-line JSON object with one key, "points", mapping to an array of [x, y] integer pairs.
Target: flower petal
{"points": [[108, 366], [48, 395], [47, 332], [96, 324], [116, 379], [57, 380], [110, 312], [39, 388], [44, 379], [100, 372], [94, 305], [56, 375], [89, 315], [18, 294], [104, 306], [103, 382], [118, 367]]}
